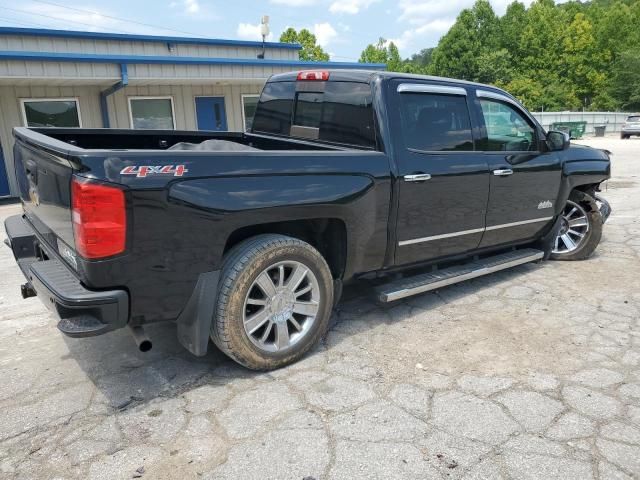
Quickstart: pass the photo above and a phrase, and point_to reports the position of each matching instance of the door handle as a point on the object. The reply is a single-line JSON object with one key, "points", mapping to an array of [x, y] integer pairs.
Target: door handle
{"points": [[503, 172], [417, 177]]}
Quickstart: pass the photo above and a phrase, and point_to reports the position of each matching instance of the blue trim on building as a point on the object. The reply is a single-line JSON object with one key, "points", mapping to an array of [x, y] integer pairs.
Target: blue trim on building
{"points": [[175, 60], [44, 32]]}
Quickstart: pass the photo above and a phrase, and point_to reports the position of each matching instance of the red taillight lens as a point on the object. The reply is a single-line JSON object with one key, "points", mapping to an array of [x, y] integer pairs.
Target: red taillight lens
{"points": [[99, 219], [313, 75]]}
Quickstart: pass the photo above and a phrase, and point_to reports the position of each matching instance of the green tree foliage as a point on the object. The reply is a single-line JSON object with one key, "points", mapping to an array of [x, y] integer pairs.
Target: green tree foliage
{"points": [[572, 55], [310, 49], [383, 52]]}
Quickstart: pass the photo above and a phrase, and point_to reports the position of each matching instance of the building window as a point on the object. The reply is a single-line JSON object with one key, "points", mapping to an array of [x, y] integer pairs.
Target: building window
{"points": [[249, 104], [51, 112], [152, 113]]}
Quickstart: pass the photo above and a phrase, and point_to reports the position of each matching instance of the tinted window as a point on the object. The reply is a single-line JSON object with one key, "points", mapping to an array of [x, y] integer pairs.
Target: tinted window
{"points": [[273, 114], [308, 109], [342, 113], [433, 122], [507, 129]]}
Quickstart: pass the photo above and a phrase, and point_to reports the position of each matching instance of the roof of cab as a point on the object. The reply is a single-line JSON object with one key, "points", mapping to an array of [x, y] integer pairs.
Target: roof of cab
{"points": [[368, 76]]}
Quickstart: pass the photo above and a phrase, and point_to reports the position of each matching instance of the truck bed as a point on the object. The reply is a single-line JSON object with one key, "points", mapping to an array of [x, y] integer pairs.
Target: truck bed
{"points": [[122, 139]]}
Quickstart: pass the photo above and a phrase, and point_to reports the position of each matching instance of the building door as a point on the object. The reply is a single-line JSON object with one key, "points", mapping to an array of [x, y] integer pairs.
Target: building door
{"points": [[4, 179], [211, 114]]}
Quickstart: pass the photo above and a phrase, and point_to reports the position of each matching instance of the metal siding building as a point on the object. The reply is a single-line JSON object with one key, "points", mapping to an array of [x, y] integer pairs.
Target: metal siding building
{"points": [[99, 78]]}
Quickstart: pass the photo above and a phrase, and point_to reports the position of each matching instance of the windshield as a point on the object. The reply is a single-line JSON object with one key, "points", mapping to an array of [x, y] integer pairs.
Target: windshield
{"points": [[633, 118]]}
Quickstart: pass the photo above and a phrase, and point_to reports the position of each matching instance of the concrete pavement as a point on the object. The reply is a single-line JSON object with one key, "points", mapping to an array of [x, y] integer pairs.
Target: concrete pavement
{"points": [[532, 373]]}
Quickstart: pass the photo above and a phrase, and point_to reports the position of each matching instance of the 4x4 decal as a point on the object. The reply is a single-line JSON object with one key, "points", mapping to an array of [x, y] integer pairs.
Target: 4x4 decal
{"points": [[144, 170]]}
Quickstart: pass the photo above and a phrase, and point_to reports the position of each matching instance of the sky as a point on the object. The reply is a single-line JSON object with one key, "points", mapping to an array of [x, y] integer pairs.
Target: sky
{"points": [[343, 27]]}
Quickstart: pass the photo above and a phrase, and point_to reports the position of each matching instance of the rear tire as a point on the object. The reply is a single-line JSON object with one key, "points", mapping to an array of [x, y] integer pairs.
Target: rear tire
{"points": [[624, 137], [581, 231], [266, 282]]}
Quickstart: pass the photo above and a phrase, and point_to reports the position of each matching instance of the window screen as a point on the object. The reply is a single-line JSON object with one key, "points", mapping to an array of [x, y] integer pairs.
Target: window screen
{"points": [[51, 113], [342, 113], [435, 122], [152, 113]]}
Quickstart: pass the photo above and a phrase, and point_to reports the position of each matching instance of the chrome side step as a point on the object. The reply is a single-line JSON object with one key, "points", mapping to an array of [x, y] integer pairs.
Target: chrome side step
{"points": [[448, 276]]}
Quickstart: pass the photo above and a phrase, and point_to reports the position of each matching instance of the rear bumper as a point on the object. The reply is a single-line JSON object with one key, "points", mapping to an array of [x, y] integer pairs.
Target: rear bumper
{"points": [[82, 312]]}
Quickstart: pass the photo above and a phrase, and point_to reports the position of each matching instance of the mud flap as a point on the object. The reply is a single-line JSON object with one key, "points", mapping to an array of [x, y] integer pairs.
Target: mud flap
{"points": [[194, 323], [546, 243]]}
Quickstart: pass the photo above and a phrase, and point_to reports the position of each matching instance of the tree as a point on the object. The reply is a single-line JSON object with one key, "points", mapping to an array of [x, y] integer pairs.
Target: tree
{"points": [[475, 32], [625, 82], [310, 49], [383, 52]]}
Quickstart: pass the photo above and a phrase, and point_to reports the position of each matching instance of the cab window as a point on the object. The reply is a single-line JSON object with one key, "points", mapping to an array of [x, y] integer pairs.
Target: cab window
{"points": [[507, 129], [435, 122]]}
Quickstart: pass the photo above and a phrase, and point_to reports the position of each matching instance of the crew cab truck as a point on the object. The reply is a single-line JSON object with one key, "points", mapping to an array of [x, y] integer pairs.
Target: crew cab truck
{"points": [[247, 238]]}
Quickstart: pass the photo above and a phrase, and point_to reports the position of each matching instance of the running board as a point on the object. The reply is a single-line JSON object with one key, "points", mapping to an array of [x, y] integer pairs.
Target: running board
{"points": [[407, 287]]}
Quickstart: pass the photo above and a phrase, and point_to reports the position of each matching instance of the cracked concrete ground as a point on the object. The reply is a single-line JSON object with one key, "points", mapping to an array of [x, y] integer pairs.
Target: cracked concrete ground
{"points": [[532, 373]]}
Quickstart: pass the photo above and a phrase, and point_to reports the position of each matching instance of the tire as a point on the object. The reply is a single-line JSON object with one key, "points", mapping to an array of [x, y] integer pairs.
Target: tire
{"points": [[624, 137], [592, 233], [247, 269]]}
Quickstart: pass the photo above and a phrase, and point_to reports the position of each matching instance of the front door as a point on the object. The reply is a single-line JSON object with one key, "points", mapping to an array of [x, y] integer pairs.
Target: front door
{"points": [[211, 114], [524, 180], [443, 184], [4, 179]]}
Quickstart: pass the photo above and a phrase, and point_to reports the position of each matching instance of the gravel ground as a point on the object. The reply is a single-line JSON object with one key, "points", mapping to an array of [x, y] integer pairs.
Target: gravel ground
{"points": [[530, 373]]}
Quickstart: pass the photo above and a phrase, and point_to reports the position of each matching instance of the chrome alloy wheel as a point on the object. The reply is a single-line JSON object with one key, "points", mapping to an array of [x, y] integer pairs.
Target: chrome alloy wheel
{"points": [[573, 229], [281, 306]]}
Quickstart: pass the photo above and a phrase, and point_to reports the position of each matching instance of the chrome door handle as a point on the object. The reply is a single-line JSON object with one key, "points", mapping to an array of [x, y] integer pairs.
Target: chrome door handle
{"points": [[417, 177], [503, 172]]}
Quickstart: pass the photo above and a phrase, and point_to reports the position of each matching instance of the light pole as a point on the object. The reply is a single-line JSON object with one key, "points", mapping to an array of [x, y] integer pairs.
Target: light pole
{"points": [[264, 31]]}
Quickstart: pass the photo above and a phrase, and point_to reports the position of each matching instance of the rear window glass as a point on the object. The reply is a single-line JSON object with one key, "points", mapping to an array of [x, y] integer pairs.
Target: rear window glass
{"points": [[342, 113], [633, 118]]}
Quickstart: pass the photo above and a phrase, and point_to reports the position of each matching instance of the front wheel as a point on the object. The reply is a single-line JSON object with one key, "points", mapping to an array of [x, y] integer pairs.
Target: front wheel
{"points": [[274, 302], [580, 230]]}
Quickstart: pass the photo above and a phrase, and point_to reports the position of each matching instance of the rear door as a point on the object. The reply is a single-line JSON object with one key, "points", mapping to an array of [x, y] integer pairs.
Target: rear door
{"points": [[524, 180], [443, 183]]}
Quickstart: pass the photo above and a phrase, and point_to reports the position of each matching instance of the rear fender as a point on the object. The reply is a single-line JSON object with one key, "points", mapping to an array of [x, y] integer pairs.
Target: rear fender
{"points": [[233, 203]]}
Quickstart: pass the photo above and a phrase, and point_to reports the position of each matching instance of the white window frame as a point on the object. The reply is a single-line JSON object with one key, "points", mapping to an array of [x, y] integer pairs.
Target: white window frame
{"points": [[149, 97], [243, 96], [55, 99]]}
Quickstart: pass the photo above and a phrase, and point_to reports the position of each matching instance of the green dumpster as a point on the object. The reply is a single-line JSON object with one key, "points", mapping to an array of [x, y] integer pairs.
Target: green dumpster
{"points": [[574, 129]]}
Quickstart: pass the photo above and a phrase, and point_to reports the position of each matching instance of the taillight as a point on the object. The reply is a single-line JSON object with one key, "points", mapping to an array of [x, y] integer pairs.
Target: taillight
{"points": [[313, 75], [99, 219]]}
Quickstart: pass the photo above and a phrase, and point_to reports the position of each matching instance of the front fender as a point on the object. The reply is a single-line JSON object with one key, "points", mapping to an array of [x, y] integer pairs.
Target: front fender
{"points": [[581, 172]]}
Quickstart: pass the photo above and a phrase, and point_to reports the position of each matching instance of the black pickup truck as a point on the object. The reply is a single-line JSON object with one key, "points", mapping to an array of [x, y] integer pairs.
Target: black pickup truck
{"points": [[413, 182]]}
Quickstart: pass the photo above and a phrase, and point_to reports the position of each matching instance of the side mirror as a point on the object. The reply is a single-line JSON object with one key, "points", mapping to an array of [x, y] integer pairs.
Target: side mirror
{"points": [[558, 140]]}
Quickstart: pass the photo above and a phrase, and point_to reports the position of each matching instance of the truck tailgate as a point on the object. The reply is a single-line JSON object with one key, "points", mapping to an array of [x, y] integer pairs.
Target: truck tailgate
{"points": [[44, 180]]}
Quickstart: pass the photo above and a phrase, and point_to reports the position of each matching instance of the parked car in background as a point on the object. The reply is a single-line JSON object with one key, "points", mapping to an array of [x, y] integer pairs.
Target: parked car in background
{"points": [[631, 127], [413, 182]]}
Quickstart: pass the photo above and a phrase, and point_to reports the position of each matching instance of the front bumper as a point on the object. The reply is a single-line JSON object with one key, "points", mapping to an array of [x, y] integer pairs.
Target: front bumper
{"points": [[82, 312]]}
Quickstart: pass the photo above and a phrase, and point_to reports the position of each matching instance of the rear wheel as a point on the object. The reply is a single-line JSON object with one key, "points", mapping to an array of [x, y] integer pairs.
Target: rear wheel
{"points": [[580, 230], [274, 302], [624, 137]]}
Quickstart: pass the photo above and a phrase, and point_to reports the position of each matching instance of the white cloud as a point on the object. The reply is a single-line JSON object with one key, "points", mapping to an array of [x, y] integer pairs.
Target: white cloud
{"points": [[430, 30], [324, 33], [350, 6], [294, 3], [248, 31], [191, 6]]}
